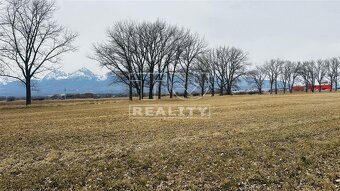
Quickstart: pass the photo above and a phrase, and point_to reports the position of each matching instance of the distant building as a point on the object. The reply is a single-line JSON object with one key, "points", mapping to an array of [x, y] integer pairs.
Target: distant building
{"points": [[316, 87]]}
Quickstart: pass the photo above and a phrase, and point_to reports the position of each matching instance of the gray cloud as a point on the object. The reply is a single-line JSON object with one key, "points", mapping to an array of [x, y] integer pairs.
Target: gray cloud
{"points": [[296, 30]]}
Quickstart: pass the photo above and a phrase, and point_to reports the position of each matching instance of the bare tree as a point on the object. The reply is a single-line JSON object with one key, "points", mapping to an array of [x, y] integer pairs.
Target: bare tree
{"points": [[311, 72], [278, 69], [121, 56], [173, 39], [320, 71], [269, 66], [273, 68], [154, 41], [284, 75], [194, 46], [140, 54], [177, 49], [308, 71], [172, 69], [304, 73], [293, 74], [256, 77], [212, 73], [336, 71], [201, 71], [288, 75], [333, 72], [209, 57], [230, 66], [221, 56], [236, 68], [31, 40], [330, 74]]}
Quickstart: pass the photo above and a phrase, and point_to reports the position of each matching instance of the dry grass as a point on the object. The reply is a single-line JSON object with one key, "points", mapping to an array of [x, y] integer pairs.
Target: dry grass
{"points": [[283, 142]]}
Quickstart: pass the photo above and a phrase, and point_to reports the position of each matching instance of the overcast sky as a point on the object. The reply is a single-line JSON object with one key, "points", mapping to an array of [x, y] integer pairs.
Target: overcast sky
{"points": [[295, 30]]}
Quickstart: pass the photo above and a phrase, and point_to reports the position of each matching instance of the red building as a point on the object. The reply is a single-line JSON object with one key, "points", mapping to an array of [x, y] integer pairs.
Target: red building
{"points": [[316, 87]]}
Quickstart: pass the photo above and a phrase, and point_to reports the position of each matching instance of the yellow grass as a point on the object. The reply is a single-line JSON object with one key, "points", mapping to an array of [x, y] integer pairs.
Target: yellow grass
{"points": [[275, 142]]}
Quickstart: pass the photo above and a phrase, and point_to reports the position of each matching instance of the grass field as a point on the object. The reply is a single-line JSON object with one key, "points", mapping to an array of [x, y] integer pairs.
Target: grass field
{"points": [[250, 142]]}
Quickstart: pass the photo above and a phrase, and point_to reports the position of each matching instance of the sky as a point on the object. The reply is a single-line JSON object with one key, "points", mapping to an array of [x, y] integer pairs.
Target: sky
{"points": [[293, 30]]}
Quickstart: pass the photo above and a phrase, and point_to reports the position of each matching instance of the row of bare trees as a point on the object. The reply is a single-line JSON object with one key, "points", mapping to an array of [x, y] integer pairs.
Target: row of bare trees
{"points": [[141, 55], [225, 66], [149, 54], [287, 74]]}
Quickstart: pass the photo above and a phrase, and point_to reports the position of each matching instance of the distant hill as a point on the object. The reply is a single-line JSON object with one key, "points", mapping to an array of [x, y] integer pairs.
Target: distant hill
{"points": [[59, 82], [80, 81]]}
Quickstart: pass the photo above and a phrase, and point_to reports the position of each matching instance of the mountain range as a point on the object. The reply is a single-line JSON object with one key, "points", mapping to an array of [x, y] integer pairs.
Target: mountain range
{"points": [[60, 82], [80, 81]]}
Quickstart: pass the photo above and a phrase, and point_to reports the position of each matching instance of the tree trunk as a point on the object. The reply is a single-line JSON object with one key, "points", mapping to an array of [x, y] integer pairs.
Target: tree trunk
{"points": [[275, 86], [229, 89], [160, 89], [140, 93], [130, 90], [319, 87], [291, 86], [336, 84], [151, 85], [284, 88], [221, 88], [271, 87], [213, 87], [28, 92], [186, 84], [331, 85], [171, 92], [260, 90], [142, 89]]}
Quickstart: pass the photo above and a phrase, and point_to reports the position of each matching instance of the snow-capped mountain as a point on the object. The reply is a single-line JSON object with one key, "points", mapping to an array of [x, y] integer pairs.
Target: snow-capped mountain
{"points": [[80, 74], [56, 75], [83, 73], [60, 82]]}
